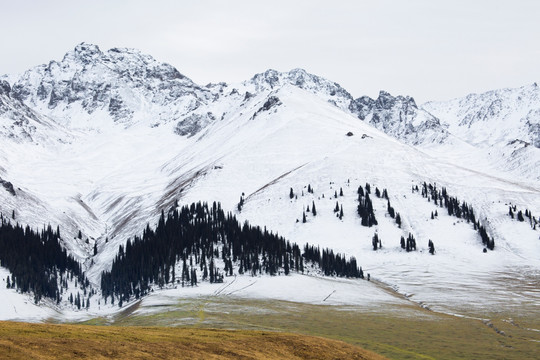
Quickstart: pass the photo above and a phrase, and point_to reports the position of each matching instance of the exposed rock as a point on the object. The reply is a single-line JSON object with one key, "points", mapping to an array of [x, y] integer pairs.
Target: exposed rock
{"points": [[8, 186]]}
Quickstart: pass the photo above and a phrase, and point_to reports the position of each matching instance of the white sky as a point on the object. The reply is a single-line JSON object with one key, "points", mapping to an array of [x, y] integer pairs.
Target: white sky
{"points": [[429, 49]]}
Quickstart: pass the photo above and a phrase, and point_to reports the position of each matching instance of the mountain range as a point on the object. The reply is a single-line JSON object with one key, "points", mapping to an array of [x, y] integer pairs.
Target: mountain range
{"points": [[101, 144]]}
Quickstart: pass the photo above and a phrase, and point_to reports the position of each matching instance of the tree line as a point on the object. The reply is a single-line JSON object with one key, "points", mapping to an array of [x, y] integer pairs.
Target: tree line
{"points": [[197, 237], [36, 260]]}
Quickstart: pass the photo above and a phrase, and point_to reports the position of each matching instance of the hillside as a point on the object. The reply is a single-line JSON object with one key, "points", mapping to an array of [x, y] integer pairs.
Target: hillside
{"points": [[21, 341], [101, 143]]}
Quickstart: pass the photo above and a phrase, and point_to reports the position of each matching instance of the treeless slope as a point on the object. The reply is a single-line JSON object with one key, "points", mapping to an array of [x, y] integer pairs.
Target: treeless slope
{"points": [[45, 341]]}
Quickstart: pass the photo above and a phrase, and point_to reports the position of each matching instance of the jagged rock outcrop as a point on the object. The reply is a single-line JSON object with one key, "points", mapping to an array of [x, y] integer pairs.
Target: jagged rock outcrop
{"points": [[329, 90], [400, 117], [124, 84]]}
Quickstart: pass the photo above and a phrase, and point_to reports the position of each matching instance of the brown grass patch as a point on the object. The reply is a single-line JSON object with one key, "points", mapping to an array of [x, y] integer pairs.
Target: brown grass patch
{"points": [[48, 341]]}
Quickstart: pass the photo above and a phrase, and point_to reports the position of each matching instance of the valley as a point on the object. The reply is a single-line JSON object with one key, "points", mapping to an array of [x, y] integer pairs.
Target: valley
{"points": [[101, 144]]}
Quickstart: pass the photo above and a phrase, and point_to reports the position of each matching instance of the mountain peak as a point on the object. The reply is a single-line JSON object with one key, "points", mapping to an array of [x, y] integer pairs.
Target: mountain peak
{"points": [[84, 52], [119, 81]]}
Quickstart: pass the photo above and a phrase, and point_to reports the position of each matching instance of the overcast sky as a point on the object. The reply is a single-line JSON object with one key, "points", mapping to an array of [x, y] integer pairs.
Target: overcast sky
{"points": [[429, 49]]}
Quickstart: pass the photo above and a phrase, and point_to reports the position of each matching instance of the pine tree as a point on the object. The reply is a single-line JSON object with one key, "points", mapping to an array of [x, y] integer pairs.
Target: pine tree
{"points": [[8, 281], [340, 191], [375, 241], [390, 210], [341, 213], [291, 194], [304, 217], [95, 249], [79, 235], [398, 220], [313, 209], [240, 203]]}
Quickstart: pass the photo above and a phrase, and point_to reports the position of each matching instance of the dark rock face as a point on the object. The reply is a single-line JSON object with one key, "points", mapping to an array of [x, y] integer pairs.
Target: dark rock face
{"points": [[5, 88], [533, 126], [193, 124], [8, 186], [270, 103], [362, 106]]}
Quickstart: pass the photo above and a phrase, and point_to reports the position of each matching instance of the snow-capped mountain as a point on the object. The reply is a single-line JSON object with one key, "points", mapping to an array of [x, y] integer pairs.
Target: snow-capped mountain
{"points": [[502, 128], [121, 84], [495, 117], [102, 142]]}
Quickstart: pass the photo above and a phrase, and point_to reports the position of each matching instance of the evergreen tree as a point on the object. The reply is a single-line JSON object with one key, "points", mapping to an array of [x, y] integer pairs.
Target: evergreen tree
{"points": [[313, 209], [375, 241], [390, 210], [398, 220], [304, 218], [431, 247], [8, 283], [291, 194], [240, 203], [340, 191], [95, 249]]}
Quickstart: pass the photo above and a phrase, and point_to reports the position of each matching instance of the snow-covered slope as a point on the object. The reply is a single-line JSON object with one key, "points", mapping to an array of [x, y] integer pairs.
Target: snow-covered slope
{"points": [[494, 117], [115, 137], [502, 128]]}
